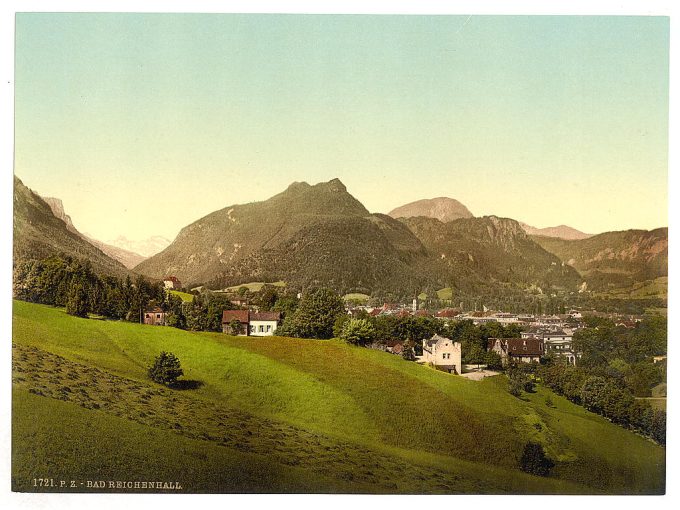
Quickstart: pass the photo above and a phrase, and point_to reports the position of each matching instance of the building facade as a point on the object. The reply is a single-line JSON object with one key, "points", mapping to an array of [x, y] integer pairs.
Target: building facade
{"points": [[522, 350], [247, 323], [443, 353], [154, 317], [172, 283]]}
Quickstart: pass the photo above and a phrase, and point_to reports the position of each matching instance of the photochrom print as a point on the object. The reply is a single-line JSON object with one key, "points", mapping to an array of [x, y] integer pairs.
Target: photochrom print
{"points": [[376, 254]]}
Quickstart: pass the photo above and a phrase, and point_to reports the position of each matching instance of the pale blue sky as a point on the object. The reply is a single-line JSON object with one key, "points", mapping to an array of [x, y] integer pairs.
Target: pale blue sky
{"points": [[142, 124]]}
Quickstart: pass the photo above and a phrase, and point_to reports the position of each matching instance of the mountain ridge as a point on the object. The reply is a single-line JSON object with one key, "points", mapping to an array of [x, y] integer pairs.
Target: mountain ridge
{"points": [[128, 258], [442, 208], [320, 235], [616, 259], [560, 231], [39, 233]]}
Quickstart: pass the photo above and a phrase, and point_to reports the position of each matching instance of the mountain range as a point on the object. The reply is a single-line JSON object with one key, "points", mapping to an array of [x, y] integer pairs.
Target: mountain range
{"points": [[614, 259], [320, 235], [144, 247], [39, 233], [561, 231], [128, 258]]}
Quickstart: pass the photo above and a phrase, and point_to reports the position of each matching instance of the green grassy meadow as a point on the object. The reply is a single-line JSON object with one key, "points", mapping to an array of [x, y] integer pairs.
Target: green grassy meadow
{"points": [[288, 415], [184, 296], [255, 286], [356, 296], [656, 288], [446, 293]]}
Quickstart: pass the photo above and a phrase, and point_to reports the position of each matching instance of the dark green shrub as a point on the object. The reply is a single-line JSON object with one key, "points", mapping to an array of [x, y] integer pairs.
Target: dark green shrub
{"points": [[165, 369], [534, 460]]}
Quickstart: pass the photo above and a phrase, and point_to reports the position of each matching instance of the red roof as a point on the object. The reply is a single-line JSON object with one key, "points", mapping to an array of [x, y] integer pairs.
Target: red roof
{"points": [[265, 316], [171, 278], [519, 346], [525, 346], [448, 312], [239, 315], [154, 310]]}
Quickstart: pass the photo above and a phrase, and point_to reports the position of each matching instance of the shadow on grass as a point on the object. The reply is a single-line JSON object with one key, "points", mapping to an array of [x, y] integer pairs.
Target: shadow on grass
{"points": [[187, 385]]}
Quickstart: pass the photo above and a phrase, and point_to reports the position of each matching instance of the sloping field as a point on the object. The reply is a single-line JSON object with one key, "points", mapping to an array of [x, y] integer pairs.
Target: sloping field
{"points": [[289, 415], [184, 296]]}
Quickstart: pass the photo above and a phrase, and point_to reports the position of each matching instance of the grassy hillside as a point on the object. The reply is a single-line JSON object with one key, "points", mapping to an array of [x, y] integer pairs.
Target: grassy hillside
{"points": [[184, 296], [308, 415], [255, 286], [657, 288]]}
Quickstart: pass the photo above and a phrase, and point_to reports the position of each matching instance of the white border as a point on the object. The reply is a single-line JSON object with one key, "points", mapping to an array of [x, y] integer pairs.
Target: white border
{"points": [[525, 7]]}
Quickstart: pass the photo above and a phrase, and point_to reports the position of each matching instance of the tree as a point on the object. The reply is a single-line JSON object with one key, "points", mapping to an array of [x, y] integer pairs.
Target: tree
{"points": [[266, 298], [357, 332], [519, 381], [235, 327], [493, 360], [315, 315], [658, 426], [77, 301], [408, 352], [594, 394], [475, 355], [534, 461], [166, 369], [339, 324]]}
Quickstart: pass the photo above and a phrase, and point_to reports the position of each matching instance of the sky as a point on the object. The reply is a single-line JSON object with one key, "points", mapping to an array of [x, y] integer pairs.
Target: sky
{"points": [[142, 124]]}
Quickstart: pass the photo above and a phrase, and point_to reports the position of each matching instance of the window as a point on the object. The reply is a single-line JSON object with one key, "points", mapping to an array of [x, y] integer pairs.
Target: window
{"points": [[269, 328], [158, 316], [261, 328]]}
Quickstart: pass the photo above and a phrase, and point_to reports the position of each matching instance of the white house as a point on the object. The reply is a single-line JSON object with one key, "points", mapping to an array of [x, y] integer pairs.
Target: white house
{"points": [[247, 323], [443, 352], [263, 323]]}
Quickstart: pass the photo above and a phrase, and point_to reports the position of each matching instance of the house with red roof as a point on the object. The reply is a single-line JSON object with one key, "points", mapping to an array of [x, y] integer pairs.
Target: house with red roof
{"points": [[247, 323], [524, 350], [172, 283]]}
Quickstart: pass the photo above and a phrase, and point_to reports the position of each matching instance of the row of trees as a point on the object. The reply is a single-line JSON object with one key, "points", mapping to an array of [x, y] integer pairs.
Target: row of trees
{"points": [[604, 396], [69, 282], [623, 355]]}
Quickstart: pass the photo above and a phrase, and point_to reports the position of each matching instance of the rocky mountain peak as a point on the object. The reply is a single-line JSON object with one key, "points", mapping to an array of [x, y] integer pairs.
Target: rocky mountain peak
{"points": [[444, 209]]}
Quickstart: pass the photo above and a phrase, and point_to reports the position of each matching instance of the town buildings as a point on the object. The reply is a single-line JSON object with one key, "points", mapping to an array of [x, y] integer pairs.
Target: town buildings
{"points": [[557, 341]]}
